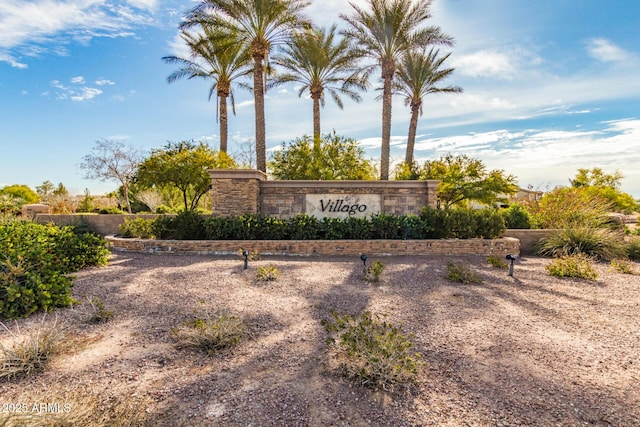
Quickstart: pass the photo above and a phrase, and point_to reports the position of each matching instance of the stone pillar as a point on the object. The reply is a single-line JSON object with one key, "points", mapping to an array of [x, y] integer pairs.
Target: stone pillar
{"points": [[236, 191], [432, 196]]}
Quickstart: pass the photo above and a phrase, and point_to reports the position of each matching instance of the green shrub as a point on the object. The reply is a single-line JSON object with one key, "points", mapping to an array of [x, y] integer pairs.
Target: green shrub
{"points": [[386, 226], [210, 335], [600, 243], [438, 221], [303, 227], [489, 224], [99, 313], [569, 208], [578, 265], [374, 353], [140, 228], [632, 249], [516, 216], [267, 274], [187, 225], [497, 261], [458, 272], [374, 271], [111, 210], [35, 260], [622, 266], [164, 209]]}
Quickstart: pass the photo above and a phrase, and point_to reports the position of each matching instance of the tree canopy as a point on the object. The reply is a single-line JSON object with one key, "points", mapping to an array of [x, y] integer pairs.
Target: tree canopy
{"points": [[183, 165], [334, 158], [463, 179], [22, 192], [112, 160], [605, 186]]}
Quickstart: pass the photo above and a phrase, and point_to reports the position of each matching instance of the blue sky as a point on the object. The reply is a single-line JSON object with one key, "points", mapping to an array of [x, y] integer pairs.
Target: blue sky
{"points": [[549, 87]]}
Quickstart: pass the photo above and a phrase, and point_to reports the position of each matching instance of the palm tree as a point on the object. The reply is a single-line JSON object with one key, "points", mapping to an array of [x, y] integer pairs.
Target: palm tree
{"points": [[260, 25], [386, 33], [215, 56], [418, 75], [317, 61]]}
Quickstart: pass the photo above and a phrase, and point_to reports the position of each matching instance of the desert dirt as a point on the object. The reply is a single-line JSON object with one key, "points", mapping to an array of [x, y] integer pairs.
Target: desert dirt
{"points": [[528, 350]]}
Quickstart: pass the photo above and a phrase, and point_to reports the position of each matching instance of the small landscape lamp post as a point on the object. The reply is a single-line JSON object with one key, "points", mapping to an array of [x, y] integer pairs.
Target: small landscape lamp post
{"points": [[245, 253], [363, 258], [512, 259]]}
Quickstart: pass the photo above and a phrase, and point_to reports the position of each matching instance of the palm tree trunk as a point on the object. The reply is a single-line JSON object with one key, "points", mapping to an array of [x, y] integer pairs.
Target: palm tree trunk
{"points": [[316, 120], [388, 68], [386, 129], [258, 94], [224, 126], [411, 140]]}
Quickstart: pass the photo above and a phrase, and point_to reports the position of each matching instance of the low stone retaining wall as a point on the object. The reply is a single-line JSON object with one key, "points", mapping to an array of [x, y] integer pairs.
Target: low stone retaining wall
{"points": [[483, 247], [528, 238]]}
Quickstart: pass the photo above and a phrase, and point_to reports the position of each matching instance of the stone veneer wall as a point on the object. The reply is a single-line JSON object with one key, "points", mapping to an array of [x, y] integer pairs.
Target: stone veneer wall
{"points": [[237, 192], [483, 247]]}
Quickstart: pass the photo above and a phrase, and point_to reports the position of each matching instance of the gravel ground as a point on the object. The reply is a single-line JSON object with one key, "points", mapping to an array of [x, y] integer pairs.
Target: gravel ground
{"points": [[528, 350]]}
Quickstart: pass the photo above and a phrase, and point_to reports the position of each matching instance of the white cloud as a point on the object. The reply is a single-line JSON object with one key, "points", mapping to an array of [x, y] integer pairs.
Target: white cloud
{"points": [[85, 93], [606, 51], [26, 26], [77, 91], [102, 82], [505, 64]]}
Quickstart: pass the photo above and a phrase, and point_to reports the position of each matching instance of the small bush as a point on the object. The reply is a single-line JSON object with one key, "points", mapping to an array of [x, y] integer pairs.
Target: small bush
{"points": [[458, 272], [210, 335], [516, 216], [99, 313], [496, 261], [578, 266], [374, 271], [140, 228], [31, 354], [267, 274], [599, 243], [632, 249], [374, 353], [622, 266], [111, 210]]}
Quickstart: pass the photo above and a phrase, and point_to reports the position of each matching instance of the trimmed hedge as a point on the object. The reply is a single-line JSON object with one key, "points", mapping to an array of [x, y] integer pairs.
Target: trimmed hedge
{"points": [[431, 224], [35, 260]]}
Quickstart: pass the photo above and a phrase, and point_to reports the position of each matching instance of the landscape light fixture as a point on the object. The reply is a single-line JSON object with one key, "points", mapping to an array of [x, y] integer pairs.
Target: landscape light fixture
{"points": [[363, 258], [511, 258], [245, 253]]}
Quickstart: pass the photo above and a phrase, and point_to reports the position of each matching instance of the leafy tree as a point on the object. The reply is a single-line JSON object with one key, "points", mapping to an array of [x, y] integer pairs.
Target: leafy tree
{"points": [[318, 61], [184, 166], [216, 56], [387, 33], [259, 25], [419, 74], [463, 179], [606, 186], [338, 158], [22, 192], [45, 190], [112, 160], [596, 177]]}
